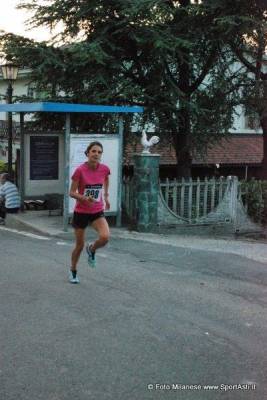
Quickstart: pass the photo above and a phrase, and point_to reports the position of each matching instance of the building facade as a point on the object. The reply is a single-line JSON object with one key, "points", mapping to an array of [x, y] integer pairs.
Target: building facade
{"points": [[21, 88]]}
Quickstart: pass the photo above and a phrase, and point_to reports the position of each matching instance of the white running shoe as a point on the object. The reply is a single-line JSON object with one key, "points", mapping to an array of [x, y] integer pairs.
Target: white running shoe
{"points": [[73, 278]]}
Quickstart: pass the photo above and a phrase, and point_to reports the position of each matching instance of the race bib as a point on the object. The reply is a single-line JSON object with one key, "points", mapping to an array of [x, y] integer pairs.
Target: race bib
{"points": [[95, 191]]}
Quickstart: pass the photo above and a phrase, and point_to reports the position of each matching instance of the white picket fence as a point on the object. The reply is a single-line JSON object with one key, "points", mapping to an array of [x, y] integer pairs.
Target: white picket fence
{"points": [[193, 199], [189, 199]]}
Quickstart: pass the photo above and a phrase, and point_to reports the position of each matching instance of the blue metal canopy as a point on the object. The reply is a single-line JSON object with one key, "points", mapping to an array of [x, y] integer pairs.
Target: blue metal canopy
{"points": [[67, 108]]}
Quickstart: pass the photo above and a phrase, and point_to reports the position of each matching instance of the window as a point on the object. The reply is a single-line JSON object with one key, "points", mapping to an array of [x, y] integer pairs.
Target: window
{"points": [[31, 92], [252, 120]]}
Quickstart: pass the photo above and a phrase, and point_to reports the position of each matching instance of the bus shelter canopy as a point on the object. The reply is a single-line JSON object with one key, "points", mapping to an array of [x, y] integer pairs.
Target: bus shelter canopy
{"points": [[67, 108]]}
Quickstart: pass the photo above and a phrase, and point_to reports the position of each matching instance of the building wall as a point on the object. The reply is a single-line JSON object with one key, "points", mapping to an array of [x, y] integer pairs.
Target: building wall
{"points": [[240, 124], [4, 149], [242, 172], [20, 88]]}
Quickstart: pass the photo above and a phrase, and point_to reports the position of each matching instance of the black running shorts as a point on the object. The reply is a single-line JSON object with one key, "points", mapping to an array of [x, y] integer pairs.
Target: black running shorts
{"points": [[82, 220]]}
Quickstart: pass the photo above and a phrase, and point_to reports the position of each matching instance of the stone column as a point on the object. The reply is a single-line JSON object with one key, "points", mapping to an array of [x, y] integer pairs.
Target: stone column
{"points": [[146, 181]]}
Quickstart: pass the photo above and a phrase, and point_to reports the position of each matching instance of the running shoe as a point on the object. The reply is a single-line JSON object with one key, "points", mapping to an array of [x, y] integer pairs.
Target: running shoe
{"points": [[73, 278], [2, 221], [91, 257]]}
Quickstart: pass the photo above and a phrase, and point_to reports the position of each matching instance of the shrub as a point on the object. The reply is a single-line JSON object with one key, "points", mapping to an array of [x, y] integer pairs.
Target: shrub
{"points": [[254, 197], [3, 167]]}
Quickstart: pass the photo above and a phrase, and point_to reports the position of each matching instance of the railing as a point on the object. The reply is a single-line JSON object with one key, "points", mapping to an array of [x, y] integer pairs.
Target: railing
{"points": [[193, 199], [4, 129], [242, 194], [189, 199]]}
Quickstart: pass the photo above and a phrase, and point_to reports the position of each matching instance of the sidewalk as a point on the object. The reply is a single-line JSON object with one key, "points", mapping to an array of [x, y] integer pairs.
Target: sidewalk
{"points": [[39, 222]]}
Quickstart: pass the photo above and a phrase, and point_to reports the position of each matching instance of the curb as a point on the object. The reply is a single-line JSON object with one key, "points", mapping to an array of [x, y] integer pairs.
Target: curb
{"points": [[14, 222]]}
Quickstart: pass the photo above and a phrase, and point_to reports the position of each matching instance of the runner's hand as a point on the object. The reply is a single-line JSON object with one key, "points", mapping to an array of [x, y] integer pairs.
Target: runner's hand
{"points": [[88, 199]]}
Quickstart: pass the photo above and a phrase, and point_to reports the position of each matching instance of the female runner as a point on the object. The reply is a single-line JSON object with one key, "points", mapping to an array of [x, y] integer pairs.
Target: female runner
{"points": [[90, 184]]}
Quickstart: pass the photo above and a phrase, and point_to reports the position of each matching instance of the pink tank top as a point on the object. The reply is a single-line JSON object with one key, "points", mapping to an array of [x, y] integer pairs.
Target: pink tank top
{"points": [[90, 182]]}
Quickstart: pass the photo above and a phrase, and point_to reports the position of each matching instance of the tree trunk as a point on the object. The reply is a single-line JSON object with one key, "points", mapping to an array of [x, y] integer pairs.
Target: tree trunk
{"points": [[183, 146], [183, 136]]}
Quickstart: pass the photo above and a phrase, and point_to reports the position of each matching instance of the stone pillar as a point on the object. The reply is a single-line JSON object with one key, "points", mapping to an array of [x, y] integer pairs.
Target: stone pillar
{"points": [[146, 181]]}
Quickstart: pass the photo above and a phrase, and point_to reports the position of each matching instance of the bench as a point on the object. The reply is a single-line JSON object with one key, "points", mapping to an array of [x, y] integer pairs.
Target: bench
{"points": [[54, 203], [34, 204]]}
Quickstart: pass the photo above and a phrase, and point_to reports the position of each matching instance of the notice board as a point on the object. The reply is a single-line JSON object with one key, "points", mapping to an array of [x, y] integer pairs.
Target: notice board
{"points": [[110, 157], [44, 156]]}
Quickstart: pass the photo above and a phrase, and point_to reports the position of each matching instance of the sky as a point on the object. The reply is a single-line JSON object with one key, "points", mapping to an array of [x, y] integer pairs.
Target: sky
{"points": [[12, 20]]}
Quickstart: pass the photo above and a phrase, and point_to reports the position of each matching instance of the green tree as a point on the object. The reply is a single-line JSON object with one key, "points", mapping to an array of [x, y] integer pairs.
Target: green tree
{"points": [[250, 48], [169, 56]]}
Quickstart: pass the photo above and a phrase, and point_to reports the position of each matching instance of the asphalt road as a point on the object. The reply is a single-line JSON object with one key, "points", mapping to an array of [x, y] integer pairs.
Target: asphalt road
{"points": [[151, 322]]}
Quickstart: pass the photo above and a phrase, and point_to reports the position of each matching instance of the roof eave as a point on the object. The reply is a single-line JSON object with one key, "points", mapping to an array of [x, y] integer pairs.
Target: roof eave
{"points": [[68, 108]]}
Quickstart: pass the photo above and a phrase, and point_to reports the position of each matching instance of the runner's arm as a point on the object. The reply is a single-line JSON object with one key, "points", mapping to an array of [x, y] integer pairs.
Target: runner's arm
{"points": [[106, 195], [106, 186], [76, 195]]}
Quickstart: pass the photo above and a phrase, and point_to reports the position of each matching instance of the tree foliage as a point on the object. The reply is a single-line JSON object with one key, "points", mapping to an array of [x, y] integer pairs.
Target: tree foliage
{"points": [[249, 46], [173, 57]]}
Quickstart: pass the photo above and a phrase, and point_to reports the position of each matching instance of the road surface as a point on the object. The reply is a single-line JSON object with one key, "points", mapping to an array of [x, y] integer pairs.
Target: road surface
{"points": [[153, 321]]}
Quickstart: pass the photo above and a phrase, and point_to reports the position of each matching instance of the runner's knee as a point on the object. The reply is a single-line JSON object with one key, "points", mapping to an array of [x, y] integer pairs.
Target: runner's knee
{"points": [[104, 238], [79, 246]]}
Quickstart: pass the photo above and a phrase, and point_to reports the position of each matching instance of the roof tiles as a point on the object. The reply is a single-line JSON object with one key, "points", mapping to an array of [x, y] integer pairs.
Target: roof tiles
{"points": [[235, 149]]}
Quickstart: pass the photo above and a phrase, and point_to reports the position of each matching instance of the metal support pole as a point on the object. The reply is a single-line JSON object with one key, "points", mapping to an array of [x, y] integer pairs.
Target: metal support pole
{"points": [[118, 219], [22, 158], [9, 129], [66, 174]]}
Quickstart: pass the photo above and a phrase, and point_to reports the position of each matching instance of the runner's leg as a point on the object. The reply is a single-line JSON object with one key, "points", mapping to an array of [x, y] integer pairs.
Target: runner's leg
{"points": [[79, 245], [102, 228]]}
